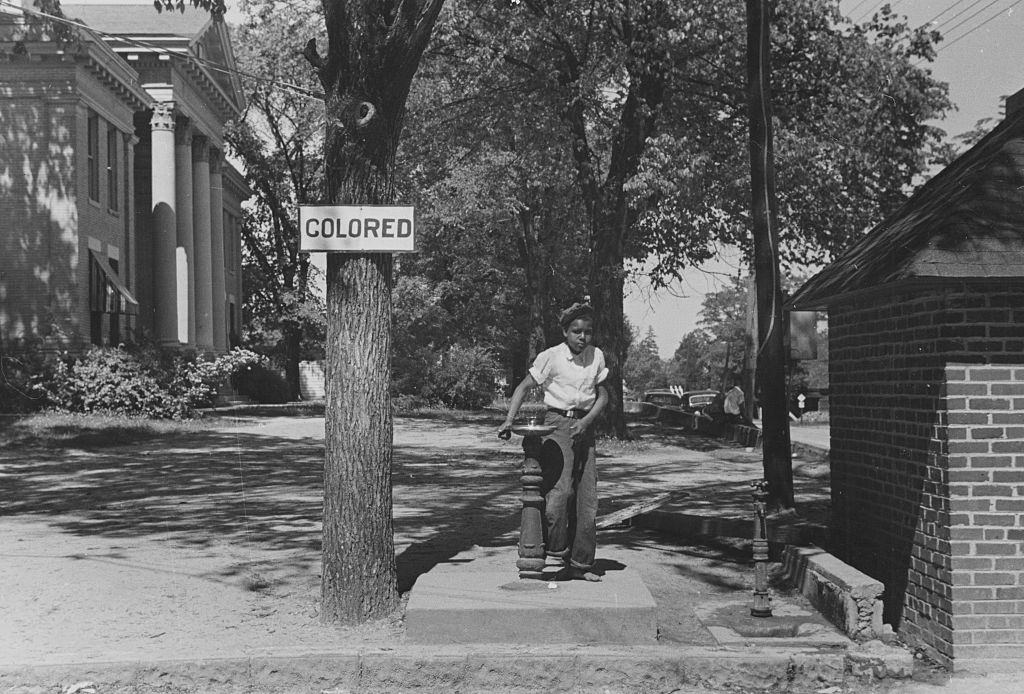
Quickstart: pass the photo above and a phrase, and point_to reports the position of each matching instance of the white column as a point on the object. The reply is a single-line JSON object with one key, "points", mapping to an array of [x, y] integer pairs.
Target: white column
{"points": [[201, 228], [220, 326], [186, 246], [164, 226]]}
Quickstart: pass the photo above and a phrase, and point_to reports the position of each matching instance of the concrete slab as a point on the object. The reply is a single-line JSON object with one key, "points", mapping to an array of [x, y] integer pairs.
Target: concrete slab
{"points": [[484, 601]]}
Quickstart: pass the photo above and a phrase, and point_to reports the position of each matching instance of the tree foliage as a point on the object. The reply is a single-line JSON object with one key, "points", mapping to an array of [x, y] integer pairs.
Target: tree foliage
{"points": [[851, 112], [644, 368], [642, 104], [696, 362], [279, 139]]}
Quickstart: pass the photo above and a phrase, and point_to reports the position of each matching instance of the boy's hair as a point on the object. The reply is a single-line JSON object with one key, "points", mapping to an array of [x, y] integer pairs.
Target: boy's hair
{"points": [[577, 310]]}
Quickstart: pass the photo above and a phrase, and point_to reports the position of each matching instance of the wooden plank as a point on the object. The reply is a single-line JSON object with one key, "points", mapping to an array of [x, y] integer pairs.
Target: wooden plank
{"points": [[624, 514]]}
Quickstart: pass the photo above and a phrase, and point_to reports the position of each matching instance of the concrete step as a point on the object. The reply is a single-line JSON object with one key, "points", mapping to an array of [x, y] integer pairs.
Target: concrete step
{"points": [[484, 601]]}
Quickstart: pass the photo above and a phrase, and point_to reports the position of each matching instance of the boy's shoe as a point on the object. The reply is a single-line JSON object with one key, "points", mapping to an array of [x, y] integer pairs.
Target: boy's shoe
{"points": [[553, 561]]}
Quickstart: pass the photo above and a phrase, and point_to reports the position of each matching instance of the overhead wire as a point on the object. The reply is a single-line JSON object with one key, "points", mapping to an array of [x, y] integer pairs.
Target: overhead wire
{"points": [[854, 8], [975, 28], [936, 18], [972, 16], [209, 64]]}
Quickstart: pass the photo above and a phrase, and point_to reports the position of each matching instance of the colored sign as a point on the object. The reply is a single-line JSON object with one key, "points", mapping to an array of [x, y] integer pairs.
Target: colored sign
{"points": [[356, 229]]}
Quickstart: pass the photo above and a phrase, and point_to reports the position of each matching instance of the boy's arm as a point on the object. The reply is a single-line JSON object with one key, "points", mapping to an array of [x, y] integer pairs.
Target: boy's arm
{"points": [[517, 400]]}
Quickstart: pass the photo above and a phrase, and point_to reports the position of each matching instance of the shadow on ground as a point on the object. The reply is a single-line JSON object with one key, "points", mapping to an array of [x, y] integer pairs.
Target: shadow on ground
{"points": [[454, 485]]}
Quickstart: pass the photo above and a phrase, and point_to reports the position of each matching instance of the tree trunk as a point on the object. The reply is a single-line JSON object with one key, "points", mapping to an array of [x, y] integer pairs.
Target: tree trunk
{"points": [[533, 264], [366, 76], [292, 349], [359, 576], [606, 295], [771, 358]]}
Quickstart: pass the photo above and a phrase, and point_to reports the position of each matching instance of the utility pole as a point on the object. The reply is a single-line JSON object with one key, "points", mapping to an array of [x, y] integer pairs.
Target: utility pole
{"points": [[771, 356]]}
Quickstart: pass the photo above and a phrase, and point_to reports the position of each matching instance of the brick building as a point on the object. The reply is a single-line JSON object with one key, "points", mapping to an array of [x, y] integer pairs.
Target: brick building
{"points": [[926, 350], [119, 218]]}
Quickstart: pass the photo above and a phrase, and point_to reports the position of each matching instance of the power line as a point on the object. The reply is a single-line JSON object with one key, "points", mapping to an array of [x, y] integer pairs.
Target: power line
{"points": [[161, 50], [990, 19], [854, 8], [940, 14], [969, 18]]}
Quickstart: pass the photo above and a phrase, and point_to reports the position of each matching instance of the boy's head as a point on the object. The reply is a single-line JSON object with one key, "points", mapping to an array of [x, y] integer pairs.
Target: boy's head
{"points": [[576, 311], [577, 323]]}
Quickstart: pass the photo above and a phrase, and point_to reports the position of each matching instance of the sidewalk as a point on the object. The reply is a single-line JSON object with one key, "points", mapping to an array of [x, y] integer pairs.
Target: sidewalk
{"points": [[815, 436], [190, 564]]}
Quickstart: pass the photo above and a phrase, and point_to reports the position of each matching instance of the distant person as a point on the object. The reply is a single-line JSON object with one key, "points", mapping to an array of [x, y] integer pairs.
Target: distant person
{"points": [[571, 374], [733, 404]]}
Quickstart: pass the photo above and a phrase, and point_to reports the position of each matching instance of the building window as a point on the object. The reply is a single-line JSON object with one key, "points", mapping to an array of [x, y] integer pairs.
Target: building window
{"points": [[109, 300], [93, 150], [112, 160]]}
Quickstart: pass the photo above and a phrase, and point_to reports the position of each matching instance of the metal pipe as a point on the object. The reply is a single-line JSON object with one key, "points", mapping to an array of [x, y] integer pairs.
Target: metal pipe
{"points": [[762, 606]]}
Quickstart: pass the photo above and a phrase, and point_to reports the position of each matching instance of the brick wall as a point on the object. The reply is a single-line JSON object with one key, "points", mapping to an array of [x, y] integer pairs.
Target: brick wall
{"points": [[48, 217], [38, 201], [908, 444]]}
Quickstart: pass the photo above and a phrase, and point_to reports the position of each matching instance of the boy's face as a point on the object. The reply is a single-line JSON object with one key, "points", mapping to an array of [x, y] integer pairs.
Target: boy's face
{"points": [[579, 334]]}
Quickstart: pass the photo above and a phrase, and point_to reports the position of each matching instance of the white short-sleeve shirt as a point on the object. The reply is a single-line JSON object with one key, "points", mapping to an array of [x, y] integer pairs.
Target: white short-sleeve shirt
{"points": [[569, 380]]}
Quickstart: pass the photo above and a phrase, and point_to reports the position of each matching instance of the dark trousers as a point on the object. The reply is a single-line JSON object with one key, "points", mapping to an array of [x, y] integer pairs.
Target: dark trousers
{"points": [[569, 469]]}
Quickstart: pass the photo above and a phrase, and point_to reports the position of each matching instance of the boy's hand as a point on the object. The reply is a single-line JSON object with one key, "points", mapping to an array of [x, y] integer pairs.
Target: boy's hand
{"points": [[505, 430], [578, 427]]}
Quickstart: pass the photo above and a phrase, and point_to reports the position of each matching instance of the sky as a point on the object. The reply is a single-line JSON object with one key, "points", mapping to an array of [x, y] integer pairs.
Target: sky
{"points": [[981, 59]]}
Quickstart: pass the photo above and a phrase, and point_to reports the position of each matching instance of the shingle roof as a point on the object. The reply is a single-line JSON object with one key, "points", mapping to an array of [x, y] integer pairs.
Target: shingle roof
{"points": [[967, 221], [139, 20]]}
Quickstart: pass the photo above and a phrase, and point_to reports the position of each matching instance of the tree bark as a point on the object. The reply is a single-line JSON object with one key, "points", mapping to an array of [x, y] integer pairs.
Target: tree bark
{"points": [[771, 357], [359, 580], [374, 51], [607, 287]]}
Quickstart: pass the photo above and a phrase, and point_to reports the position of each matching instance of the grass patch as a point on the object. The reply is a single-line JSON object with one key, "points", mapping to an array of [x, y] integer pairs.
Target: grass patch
{"points": [[56, 430]]}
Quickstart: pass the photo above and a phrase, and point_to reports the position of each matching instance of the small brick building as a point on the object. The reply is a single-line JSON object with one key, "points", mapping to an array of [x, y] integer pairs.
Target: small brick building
{"points": [[926, 350]]}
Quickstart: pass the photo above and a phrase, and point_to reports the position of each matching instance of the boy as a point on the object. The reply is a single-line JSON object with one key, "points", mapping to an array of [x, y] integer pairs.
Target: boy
{"points": [[571, 374]]}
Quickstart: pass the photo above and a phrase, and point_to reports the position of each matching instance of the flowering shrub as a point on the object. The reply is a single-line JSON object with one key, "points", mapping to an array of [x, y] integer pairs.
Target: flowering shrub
{"points": [[161, 385]]}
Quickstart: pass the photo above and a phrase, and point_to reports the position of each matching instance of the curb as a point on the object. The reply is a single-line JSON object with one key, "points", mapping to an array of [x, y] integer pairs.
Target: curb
{"points": [[454, 669]]}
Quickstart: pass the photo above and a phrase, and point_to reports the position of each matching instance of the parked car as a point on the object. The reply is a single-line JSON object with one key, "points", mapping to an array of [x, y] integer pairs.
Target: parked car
{"points": [[687, 401], [698, 399], [663, 398]]}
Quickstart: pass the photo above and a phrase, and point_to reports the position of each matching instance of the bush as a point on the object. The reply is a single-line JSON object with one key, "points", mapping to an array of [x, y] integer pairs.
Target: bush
{"points": [[23, 368], [464, 378], [154, 383]]}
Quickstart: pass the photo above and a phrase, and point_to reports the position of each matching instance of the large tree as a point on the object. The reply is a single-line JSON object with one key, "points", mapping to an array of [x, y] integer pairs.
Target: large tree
{"points": [[365, 69], [853, 114], [373, 49]]}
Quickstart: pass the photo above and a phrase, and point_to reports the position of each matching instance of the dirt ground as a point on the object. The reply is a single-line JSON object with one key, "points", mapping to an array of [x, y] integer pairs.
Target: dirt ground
{"points": [[207, 544]]}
